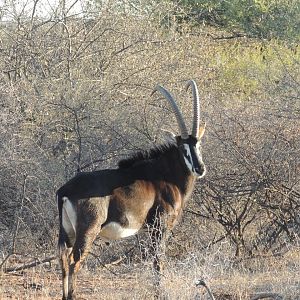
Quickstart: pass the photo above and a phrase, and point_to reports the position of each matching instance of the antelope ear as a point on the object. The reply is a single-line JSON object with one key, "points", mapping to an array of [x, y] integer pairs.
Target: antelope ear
{"points": [[169, 135], [201, 131]]}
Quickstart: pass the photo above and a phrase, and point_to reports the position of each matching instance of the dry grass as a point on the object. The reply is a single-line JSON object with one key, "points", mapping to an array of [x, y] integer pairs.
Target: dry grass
{"points": [[227, 278]]}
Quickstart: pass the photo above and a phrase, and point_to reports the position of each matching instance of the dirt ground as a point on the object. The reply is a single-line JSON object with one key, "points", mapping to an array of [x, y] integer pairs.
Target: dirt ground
{"points": [[46, 284], [236, 281]]}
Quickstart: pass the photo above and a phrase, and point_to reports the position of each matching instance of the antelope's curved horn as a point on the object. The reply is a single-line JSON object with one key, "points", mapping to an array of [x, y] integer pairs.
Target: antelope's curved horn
{"points": [[180, 121], [196, 119]]}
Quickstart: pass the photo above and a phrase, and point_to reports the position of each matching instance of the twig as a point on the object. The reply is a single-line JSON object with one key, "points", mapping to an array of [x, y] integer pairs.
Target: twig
{"points": [[202, 283], [5, 259], [19, 212], [115, 262], [102, 264], [16, 231], [275, 296], [234, 36], [30, 265]]}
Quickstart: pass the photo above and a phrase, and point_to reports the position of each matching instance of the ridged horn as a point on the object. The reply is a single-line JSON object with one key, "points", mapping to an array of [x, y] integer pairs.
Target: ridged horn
{"points": [[196, 119], [180, 121]]}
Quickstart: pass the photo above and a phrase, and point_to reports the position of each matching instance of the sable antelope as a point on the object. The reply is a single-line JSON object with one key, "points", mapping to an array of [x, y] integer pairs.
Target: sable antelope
{"points": [[147, 190]]}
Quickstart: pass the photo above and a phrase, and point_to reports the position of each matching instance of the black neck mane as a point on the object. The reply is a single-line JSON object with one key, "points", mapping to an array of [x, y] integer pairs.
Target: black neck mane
{"points": [[161, 163], [146, 155]]}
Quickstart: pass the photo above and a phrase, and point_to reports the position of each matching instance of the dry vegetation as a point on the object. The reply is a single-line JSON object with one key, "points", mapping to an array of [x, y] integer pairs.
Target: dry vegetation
{"points": [[228, 279], [75, 95]]}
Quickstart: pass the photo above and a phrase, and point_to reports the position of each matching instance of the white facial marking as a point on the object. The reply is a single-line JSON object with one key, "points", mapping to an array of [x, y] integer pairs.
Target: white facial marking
{"points": [[69, 216], [114, 231], [188, 157]]}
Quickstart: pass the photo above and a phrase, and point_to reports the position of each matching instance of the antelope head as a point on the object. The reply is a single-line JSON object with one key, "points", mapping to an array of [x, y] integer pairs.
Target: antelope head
{"points": [[188, 144]]}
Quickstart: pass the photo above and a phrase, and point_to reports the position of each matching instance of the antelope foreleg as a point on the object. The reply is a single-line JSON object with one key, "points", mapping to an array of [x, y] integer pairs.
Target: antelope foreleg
{"points": [[157, 249]]}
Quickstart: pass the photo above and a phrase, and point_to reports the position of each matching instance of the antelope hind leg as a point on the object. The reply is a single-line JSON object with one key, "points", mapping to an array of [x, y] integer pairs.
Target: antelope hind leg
{"points": [[65, 267], [86, 234]]}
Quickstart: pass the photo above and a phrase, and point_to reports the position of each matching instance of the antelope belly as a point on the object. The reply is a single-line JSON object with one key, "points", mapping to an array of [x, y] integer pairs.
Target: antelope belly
{"points": [[114, 231]]}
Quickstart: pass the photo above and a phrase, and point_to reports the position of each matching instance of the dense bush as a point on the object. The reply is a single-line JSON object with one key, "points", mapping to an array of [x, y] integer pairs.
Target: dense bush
{"points": [[75, 95], [262, 18]]}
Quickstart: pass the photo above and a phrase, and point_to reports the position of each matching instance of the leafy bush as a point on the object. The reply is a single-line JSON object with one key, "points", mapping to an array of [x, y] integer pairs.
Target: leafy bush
{"points": [[255, 18]]}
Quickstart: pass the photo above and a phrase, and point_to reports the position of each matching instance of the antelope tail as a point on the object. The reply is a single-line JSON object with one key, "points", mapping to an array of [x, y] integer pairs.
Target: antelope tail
{"points": [[67, 222]]}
